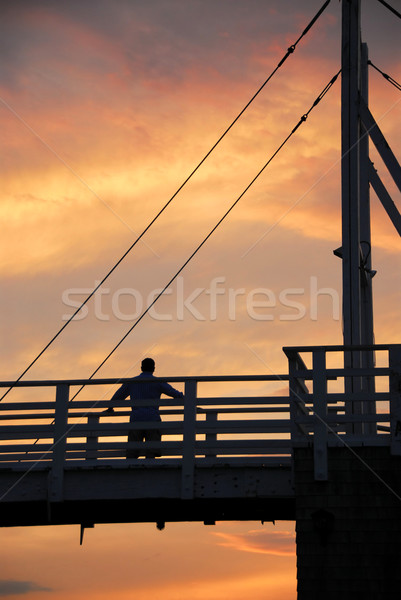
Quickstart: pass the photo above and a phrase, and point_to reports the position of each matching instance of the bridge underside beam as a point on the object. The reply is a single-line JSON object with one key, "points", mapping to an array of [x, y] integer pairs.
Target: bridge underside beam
{"points": [[104, 495], [161, 510]]}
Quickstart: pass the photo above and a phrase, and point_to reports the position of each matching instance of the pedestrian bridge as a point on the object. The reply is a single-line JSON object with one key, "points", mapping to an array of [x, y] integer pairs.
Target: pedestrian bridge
{"points": [[223, 456]]}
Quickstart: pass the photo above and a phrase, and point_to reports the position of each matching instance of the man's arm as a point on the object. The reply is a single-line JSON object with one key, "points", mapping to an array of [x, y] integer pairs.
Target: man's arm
{"points": [[120, 394], [170, 391]]}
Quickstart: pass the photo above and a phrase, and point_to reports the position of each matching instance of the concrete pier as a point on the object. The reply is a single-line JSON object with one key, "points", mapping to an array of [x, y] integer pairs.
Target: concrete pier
{"points": [[349, 527]]}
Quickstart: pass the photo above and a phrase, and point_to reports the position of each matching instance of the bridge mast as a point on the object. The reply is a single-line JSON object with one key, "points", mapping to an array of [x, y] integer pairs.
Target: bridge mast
{"points": [[356, 238], [356, 234]]}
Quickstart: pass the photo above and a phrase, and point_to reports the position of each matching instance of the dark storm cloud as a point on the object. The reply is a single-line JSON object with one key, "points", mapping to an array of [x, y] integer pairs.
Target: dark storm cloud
{"points": [[9, 587], [161, 38]]}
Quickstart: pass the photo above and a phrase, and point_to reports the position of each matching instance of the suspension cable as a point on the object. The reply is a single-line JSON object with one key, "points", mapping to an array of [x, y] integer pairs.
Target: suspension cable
{"points": [[301, 120], [290, 51], [393, 10], [388, 77]]}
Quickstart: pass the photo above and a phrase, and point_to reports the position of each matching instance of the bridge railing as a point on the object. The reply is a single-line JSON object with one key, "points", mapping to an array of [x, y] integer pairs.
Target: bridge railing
{"points": [[58, 433], [342, 405], [327, 404]]}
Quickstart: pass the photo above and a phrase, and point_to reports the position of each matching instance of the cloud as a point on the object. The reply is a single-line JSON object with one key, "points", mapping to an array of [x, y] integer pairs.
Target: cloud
{"points": [[135, 102], [280, 543], [10, 587]]}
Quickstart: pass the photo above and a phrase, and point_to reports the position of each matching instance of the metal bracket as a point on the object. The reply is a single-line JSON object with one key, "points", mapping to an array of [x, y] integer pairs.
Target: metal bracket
{"points": [[83, 527]]}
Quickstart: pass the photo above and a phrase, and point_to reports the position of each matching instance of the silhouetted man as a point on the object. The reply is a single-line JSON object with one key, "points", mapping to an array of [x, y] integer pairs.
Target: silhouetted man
{"points": [[145, 390]]}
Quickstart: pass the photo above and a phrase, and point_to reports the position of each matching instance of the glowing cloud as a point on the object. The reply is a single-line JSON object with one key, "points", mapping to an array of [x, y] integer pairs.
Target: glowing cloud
{"points": [[280, 543]]}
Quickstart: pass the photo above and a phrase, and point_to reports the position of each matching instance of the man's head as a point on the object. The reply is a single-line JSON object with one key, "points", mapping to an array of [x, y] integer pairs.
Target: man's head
{"points": [[148, 365]]}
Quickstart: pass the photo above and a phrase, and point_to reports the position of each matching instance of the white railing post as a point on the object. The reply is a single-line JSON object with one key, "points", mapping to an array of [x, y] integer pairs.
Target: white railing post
{"points": [[294, 390], [297, 391], [211, 421], [320, 415], [92, 439], [56, 475], [189, 434], [395, 399]]}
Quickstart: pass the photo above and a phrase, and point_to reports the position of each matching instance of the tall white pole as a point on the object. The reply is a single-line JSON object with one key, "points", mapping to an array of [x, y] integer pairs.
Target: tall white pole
{"points": [[356, 238], [350, 182]]}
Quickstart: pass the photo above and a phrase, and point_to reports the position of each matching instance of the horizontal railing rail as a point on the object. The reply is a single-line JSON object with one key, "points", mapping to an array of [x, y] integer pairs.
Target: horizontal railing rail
{"points": [[120, 380]]}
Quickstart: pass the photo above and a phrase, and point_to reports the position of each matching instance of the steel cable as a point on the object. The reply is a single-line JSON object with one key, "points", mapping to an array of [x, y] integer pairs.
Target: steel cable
{"points": [[393, 10], [301, 120], [387, 77]]}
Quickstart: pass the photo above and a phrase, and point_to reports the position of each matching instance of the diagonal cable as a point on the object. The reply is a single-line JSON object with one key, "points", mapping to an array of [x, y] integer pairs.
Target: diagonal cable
{"points": [[284, 214], [388, 77], [290, 51], [393, 10], [301, 120]]}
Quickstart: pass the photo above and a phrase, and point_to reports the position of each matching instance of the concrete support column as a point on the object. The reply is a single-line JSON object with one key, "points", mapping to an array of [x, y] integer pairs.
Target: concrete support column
{"points": [[349, 527]]}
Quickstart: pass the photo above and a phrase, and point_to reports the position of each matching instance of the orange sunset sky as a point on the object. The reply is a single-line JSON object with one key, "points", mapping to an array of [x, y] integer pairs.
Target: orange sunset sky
{"points": [[106, 106]]}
